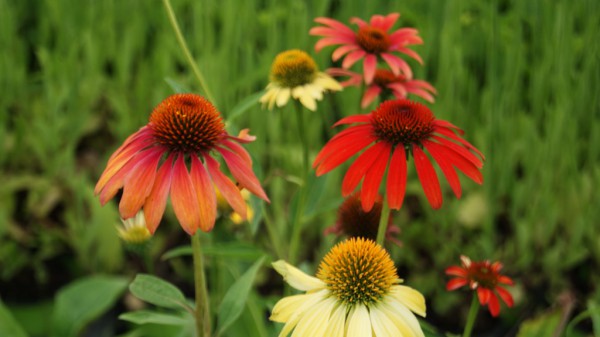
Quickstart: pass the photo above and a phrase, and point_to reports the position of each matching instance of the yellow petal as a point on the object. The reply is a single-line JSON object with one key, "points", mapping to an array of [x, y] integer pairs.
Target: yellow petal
{"points": [[297, 278], [410, 297], [396, 319], [309, 301], [286, 307], [403, 315], [337, 322], [359, 322], [283, 97], [382, 325], [315, 321]]}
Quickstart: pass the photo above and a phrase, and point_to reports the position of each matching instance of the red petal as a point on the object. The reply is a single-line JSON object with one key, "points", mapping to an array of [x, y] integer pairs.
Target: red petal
{"points": [[396, 180], [411, 53], [450, 134], [428, 177], [116, 182], [343, 50], [460, 150], [449, 125], [456, 283], [397, 65], [494, 305], [227, 188], [370, 187], [461, 163], [353, 131], [205, 192], [243, 173], [335, 155], [183, 197], [239, 150], [484, 295], [359, 168], [505, 280], [505, 295], [446, 167], [138, 184], [155, 204], [366, 118], [456, 271]]}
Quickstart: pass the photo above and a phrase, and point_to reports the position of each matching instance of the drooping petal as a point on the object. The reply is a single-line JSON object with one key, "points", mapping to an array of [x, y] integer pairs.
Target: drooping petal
{"points": [[353, 131], [421, 93], [456, 271], [311, 299], [448, 133], [396, 180], [370, 94], [449, 125], [354, 119], [205, 193], [243, 137], [456, 283], [155, 204], [494, 305], [115, 183], [406, 317], [369, 67], [411, 53], [359, 322], [243, 173], [286, 307], [339, 154], [451, 157], [230, 192], [460, 150], [373, 177], [428, 177], [330, 41], [337, 323], [297, 278], [397, 65], [505, 280], [334, 24], [399, 89], [314, 322], [239, 150], [361, 165], [343, 50], [183, 197], [411, 298], [484, 295], [138, 184], [505, 295], [382, 325], [446, 166], [352, 58]]}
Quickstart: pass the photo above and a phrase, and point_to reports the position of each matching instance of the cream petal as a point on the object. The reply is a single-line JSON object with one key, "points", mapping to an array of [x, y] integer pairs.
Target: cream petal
{"points": [[382, 325], [396, 319], [286, 307], [328, 82], [337, 322], [315, 91], [309, 301], [298, 91], [308, 101], [316, 320], [404, 315], [359, 322], [410, 297], [297, 278], [283, 97]]}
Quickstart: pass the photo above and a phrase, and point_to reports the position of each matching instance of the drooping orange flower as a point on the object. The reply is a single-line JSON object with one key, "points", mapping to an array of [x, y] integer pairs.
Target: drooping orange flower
{"points": [[185, 130], [483, 277], [384, 83], [372, 41], [396, 130]]}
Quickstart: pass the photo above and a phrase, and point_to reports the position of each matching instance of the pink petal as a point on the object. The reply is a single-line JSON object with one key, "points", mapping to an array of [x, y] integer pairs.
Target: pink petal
{"points": [[369, 66], [422, 84], [334, 24], [183, 197], [361, 165], [339, 154], [243, 173], [205, 193], [376, 21], [138, 184], [370, 188], [397, 65], [411, 53], [422, 93], [331, 32], [352, 57], [330, 41], [230, 192], [398, 89], [405, 36], [239, 150], [358, 21], [343, 50], [366, 118], [396, 180], [446, 167], [389, 21], [428, 177], [155, 204], [370, 94], [456, 283], [243, 137]]}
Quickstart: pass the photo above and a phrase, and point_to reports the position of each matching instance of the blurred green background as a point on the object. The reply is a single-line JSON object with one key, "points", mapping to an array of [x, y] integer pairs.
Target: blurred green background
{"points": [[520, 77]]}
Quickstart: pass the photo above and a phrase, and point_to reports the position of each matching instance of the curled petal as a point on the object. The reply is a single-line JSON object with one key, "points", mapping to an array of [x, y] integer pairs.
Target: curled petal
{"points": [[297, 278]]}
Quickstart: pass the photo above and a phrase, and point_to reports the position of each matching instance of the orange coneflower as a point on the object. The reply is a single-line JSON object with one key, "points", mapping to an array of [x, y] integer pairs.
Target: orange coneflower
{"points": [[397, 129], [184, 130]]}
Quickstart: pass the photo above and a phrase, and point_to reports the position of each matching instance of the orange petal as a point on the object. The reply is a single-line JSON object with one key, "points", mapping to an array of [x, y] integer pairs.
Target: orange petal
{"points": [[155, 204], [243, 173], [138, 184], [183, 197], [205, 192], [227, 188]]}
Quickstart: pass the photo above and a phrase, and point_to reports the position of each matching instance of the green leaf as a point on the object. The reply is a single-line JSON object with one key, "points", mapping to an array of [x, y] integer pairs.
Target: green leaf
{"points": [[157, 291], [542, 325], [235, 298], [153, 317], [243, 105], [84, 300], [8, 325], [594, 309], [232, 250]]}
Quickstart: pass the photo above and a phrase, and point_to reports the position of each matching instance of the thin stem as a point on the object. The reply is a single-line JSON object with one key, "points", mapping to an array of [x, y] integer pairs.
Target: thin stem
{"points": [[202, 304], [302, 135], [186, 51], [273, 233], [472, 316], [383, 221]]}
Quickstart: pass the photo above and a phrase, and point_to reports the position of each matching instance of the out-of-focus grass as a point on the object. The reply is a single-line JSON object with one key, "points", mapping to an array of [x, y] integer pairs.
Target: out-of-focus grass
{"points": [[520, 77]]}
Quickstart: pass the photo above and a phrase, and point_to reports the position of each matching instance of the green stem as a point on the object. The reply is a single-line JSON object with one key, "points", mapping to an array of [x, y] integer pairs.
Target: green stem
{"points": [[383, 221], [186, 51], [273, 233], [202, 304], [472, 316], [302, 135]]}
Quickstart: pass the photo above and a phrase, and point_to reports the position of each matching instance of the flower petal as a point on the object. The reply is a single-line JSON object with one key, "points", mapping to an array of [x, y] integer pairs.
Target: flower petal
{"points": [[334, 24], [183, 197], [451, 176], [382, 325], [337, 323], [370, 187], [343, 50], [484, 295], [238, 149], [205, 192], [505, 295], [366, 118], [361, 165], [138, 183], [411, 298], [297, 278], [369, 66], [396, 180], [370, 94], [352, 58], [336, 155], [456, 271], [230, 192], [314, 322], [155, 204], [397, 65], [428, 177], [359, 322], [456, 283], [494, 305], [449, 156], [450, 134], [243, 173]]}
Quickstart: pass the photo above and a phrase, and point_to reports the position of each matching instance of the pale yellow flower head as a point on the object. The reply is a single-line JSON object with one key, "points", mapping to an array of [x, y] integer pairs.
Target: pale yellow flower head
{"points": [[134, 230]]}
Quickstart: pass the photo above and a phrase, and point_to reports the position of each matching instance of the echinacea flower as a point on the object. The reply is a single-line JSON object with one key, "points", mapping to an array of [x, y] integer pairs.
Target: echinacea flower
{"points": [[353, 221], [485, 278], [356, 293], [134, 230], [371, 42], [385, 83], [185, 130], [294, 73], [396, 130]]}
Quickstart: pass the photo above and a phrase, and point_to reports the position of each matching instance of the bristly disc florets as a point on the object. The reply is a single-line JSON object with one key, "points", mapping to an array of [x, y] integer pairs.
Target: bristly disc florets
{"points": [[373, 40], [358, 271], [293, 68], [402, 122], [187, 123]]}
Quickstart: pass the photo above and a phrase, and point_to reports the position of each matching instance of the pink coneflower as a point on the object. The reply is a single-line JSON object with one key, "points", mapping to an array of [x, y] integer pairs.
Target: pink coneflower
{"points": [[371, 41], [397, 129], [384, 83], [485, 278], [184, 130]]}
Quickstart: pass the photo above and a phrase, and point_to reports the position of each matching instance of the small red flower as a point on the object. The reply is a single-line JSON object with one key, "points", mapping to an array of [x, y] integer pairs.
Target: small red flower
{"points": [[370, 42], [485, 278], [184, 130], [397, 129], [384, 83]]}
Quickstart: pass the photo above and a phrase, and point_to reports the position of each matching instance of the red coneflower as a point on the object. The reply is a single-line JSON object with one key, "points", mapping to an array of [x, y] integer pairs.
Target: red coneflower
{"points": [[184, 130], [385, 83], [485, 278], [371, 41], [397, 129]]}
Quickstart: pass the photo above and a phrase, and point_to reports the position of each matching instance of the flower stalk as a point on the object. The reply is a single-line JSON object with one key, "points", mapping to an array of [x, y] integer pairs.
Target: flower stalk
{"points": [[383, 221], [471, 318], [202, 312]]}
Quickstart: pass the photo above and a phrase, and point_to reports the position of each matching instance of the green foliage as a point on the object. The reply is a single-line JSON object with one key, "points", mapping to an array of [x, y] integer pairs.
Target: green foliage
{"points": [[157, 291], [8, 325]]}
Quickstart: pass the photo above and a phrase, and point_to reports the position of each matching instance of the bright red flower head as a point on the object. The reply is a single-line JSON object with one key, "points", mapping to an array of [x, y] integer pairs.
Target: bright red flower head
{"points": [[185, 130], [390, 134], [384, 83], [485, 278], [372, 41]]}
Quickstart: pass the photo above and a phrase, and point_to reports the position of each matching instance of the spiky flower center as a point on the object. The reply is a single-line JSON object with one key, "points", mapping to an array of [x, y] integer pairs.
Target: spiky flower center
{"points": [[384, 77], [481, 274], [187, 123], [358, 271], [293, 68], [373, 40], [355, 222], [402, 121]]}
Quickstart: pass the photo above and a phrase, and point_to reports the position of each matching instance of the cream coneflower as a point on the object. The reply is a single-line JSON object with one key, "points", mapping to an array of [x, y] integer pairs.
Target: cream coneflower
{"points": [[134, 230], [294, 73], [356, 293]]}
